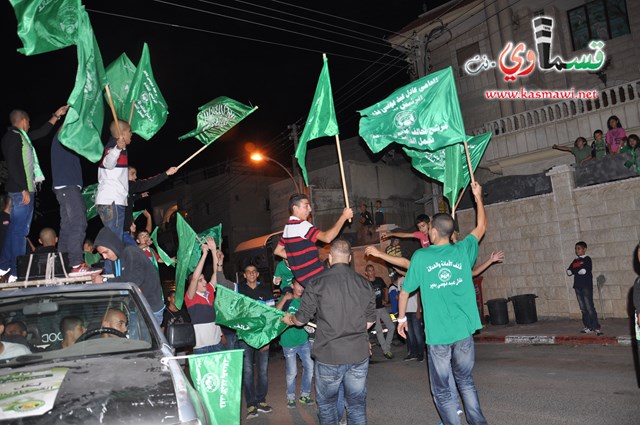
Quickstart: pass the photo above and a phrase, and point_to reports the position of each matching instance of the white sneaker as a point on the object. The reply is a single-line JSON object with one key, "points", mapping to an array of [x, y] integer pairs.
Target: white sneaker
{"points": [[12, 278], [3, 272]]}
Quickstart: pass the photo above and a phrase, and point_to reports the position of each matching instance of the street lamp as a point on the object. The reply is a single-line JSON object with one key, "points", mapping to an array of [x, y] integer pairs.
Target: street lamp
{"points": [[259, 157]]}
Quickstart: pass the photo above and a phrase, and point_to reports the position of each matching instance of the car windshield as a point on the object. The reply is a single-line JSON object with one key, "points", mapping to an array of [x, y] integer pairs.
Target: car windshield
{"points": [[72, 322]]}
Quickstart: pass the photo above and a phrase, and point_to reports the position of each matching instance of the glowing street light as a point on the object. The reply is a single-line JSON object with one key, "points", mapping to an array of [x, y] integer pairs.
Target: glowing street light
{"points": [[257, 156]]}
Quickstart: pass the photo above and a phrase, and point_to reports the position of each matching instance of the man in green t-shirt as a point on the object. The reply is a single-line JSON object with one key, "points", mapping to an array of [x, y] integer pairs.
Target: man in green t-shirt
{"points": [[283, 275], [442, 272], [295, 342]]}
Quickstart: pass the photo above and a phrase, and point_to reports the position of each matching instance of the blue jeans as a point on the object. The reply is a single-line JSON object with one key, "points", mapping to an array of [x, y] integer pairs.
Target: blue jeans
{"points": [[15, 242], [291, 366], [73, 223], [112, 217], [328, 380], [159, 315], [415, 335], [209, 349], [254, 393], [457, 358], [231, 337], [585, 301]]}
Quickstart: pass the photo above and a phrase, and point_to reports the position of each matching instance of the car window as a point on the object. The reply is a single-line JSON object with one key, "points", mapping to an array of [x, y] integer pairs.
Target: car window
{"points": [[72, 323]]}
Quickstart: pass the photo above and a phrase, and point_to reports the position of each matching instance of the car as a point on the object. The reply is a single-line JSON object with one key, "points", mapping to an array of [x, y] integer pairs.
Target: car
{"points": [[112, 374]]}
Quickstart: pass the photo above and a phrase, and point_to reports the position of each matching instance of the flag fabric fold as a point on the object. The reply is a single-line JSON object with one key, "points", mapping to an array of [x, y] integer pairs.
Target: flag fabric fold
{"points": [[45, 25], [423, 115], [89, 198], [255, 323], [82, 126], [449, 165], [150, 110], [120, 74], [321, 120], [218, 379], [216, 118], [168, 261]]}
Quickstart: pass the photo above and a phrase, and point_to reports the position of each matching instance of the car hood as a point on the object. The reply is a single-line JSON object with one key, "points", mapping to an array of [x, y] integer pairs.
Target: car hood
{"points": [[127, 388]]}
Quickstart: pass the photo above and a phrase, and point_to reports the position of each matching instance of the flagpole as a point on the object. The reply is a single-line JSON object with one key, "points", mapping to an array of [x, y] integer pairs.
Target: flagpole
{"points": [[133, 107], [191, 157], [113, 110], [466, 151], [344, 184], [455, 207]]}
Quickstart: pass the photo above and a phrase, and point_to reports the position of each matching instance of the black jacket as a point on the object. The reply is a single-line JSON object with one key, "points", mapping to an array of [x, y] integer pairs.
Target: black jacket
{"points": [[12, 151], [136, 187], [135, 267]]}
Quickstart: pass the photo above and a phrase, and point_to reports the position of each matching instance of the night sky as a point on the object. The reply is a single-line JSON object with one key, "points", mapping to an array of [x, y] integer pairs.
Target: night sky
{"points": [[201, 50]]}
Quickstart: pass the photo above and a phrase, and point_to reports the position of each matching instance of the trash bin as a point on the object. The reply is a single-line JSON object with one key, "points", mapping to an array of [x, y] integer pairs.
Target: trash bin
{"points": [[498, 313], [524, 307]]}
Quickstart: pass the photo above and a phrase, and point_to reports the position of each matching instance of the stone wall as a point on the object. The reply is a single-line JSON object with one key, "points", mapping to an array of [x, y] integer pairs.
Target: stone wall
{"points": [[538, 236]]}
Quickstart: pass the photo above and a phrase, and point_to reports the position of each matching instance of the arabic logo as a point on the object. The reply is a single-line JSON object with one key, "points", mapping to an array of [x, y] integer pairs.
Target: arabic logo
{"points": [[211, 382], [404, 119], [444, 275], [217, 116], [516, 60], [68, 18], [27, 405]]}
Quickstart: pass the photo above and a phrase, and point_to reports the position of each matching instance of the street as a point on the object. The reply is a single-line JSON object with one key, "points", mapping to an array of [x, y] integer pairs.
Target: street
{"points": [[517, 385]]}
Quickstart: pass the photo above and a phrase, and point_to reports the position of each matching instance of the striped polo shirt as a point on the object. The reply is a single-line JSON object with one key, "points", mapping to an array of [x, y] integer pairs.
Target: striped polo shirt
{"points": [[299, 241]]}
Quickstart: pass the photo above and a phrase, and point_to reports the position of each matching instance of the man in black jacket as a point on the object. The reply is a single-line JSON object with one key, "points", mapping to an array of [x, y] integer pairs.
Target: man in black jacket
{"points": [[24, 172], [131, 265]]}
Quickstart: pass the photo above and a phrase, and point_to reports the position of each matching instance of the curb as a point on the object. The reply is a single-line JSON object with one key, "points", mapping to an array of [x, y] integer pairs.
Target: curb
{"points": [[554, 339]]}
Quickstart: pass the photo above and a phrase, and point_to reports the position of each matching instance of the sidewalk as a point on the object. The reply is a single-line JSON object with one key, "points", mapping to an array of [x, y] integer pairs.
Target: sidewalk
{"points": [[557, 331]]}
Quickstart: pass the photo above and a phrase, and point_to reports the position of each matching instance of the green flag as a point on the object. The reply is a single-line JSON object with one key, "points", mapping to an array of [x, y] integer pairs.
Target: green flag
{"points": [[254, 322], [119, 75], [89, 198], [321, 120], [46, 25], [218, 379], [196, 253], [186, 242], [82, 127], [217, 117], [168, 261], [136, 214], [449, 165], [423, 115], [150, 109]]}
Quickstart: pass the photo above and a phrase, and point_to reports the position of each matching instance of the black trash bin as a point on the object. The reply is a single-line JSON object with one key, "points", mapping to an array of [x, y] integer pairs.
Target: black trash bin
{"points": [[498, 313], [524, 307]]}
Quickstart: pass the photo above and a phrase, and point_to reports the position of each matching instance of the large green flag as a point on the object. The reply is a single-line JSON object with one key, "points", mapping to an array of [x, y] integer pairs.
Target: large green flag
{"points": [[168, 261], [82, 127], [424, 115], [186, 241], [46, 25], [321, 120], [449, 165], [196, 253], [150, 109], [217, 117], [120, 73], [255, 323], [89, 198], [218, 379]]}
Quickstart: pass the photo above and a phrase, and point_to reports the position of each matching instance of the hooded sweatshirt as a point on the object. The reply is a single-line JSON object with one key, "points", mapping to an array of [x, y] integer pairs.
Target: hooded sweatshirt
{"points": [[133, 266]]}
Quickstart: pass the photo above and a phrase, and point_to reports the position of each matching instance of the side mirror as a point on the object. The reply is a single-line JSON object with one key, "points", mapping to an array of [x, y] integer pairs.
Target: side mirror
{"points": [[181, 335]]}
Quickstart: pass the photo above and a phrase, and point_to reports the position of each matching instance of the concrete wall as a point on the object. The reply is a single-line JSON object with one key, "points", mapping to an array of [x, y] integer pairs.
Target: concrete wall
{"points": [[538, 236]]}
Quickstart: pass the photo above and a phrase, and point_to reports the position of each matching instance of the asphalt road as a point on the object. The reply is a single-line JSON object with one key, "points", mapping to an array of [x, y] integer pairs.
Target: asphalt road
{"points": [[517, 385]]}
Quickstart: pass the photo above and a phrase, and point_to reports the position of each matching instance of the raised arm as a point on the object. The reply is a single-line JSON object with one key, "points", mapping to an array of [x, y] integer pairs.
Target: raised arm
{"points": [[402, 235], [396, 261], [481, 226], [496, 257], [329, 235], [193, 283], [211, 244], [561, 148]]}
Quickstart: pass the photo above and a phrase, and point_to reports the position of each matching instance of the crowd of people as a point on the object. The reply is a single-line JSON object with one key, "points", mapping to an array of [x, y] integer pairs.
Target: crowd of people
{"points": [[614, 142]]}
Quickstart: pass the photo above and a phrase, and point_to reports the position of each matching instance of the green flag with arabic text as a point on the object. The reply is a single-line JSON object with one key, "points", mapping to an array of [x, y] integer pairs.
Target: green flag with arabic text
{"points": [[321, 120], [89, 198], [150, 110], [120, 73], [216, 118], [423, 115], [449, 165], [82, 128], [218, 379], [255, 322], [46, 25]]}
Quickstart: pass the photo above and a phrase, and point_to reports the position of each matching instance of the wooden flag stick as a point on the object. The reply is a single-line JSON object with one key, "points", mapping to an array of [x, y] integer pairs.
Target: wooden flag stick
{"points": [[466, 151], [113, 110], [192, 156], [133, 107], [344, 184], [455, 207]]}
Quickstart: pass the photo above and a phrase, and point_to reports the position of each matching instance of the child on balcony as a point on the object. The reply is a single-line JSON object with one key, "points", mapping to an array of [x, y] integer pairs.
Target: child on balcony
{"points": [[616, 135], [580, 150]]}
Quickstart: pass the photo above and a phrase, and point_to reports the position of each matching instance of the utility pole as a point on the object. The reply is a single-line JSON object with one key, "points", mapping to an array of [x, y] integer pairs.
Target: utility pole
{"points": [[294, 162]]}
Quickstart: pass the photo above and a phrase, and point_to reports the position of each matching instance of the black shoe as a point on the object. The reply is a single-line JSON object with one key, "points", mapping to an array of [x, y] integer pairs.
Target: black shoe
{"points": [[410, 357], [420, 359], [264, 407]]}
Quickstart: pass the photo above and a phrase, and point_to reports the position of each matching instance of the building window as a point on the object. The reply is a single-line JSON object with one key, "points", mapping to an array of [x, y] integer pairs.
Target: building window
{"points": [[598, 20], [464, 54]]}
